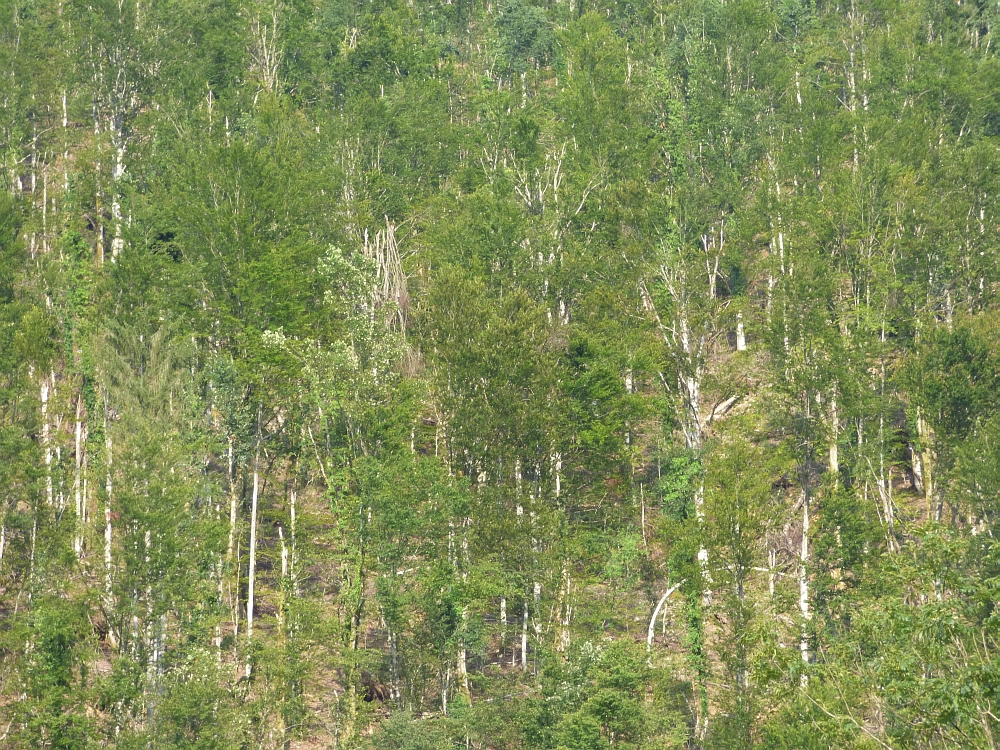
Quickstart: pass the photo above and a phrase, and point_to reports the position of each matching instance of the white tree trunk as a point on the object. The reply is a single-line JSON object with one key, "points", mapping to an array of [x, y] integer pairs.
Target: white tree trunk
{"points": [[565, 611], [804, 583], [461, 668], [108, 569], [117, 175], [558, 470], [652, 620], [77, 479], [232, 506], [772, 561], [252, 568], [524, 638], [293, 560], [834, 432], [926, 435], [46, 445]]}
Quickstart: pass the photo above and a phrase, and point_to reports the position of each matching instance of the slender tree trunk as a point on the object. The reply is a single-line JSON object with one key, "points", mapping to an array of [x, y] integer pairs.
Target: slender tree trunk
{"points": [[503, 633], [117, 178], [232, 505], [230, 548], [652, 620], [772, 561], [293, 561], [252, 567], [109, 599], [524, 638], [690, 383], [77, 479], [562, 610], [557, 464], [45, 211], [461, 668], [46, 443], [926, 435], [395, 687], [445, 685], [31, 556], [804, 584], [834, 432], [98, 195], [65, 127]]}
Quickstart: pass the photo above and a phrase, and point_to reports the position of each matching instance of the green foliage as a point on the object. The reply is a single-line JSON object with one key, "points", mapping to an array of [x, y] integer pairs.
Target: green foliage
{"points": [[955, 376], [679, 478], [478, 328], [402, 732], [525, 36]]}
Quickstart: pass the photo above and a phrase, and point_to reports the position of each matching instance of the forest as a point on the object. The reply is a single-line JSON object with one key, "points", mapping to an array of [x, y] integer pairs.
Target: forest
{"points": [[499, 374]]}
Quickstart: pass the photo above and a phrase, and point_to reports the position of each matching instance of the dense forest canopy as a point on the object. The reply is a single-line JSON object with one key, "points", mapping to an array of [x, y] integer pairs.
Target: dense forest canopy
{"points": [[570, 375]]}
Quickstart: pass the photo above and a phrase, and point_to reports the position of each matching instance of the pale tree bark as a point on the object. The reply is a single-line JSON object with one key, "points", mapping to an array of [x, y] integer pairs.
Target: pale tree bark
{"points": [[461, 667], [65, 130], [884, 484], [293, 561], [265, 53], [77, 480], [229, 569], [537, 601], [98, 193], [524, 637], [232, 505], [642, 515], [536, 549], [518, 479], [503, 630], [834, 433], [45, 211], [252, 566], [772, 562], [804, 584], [117, 178], [652, 621], [564, 611], [284, 554], [117, 64], [109, 599], [46, 441], [688, 347], [355, 627], [926, 463], [396, 692], [628, 389]]}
